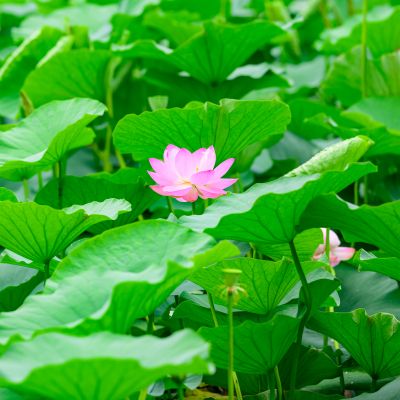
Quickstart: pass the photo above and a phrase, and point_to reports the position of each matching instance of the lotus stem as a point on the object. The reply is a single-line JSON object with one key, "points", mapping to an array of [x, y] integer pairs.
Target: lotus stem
{"points": [[25, 185], [231, 345], [170, 205], [308, 303], [212, 308], [364, 82], [278, 383], [193, 208], [40, 180]]}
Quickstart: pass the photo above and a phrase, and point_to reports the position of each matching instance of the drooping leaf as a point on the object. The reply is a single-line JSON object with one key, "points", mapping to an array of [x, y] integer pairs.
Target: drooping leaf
{"points": [[16, 283], [95, 17], [126, 184], [211, 55], [18, 65], [389, 266], [86, 75], [369, 224], [258, 346], [344, 78], [40, 232], [230, 127], [356, 291], [43, 138], [268, 213], [376, 112], [114, 278], [114, 366], [373, 341], [265, 283]]}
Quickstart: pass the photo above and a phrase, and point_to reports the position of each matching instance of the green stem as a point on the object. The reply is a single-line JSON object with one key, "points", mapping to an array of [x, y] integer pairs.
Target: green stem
{"points": [[193, 208], [271, 385], [374, 384], [46, 270], [150, 323], [170, 205], [107, 166], [350, 7], [25, 185], [212, 308], [231, 346], [366, 189], [356, 193], [176, 299], [237, 386], [120, 159], [308, 303], [364, 49], [142, 394], [60, 177], [181, 392], [40, 180], [278, 383]]}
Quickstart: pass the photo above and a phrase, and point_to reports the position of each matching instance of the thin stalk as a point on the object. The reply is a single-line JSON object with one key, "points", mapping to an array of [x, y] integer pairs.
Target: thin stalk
{"points": [[364, 49], [60, 177], [271, 385], [278, 383], [181, 392], [46, 270], [324, 14], [107, 165], [231, 346], [40, 180], [25, 185], [216, 324], [150, 323], [350, 7], [356, 193], [142, 394], [366, 189], [308, 303], [170, 205], [120, 159], [212, 308], [239, 183], [176, 300], [193, 208], [374, 384]]}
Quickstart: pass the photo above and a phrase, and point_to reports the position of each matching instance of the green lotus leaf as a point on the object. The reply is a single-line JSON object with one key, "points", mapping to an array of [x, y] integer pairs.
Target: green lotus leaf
{"points": [[373, 341], [258, 346], [109, 281], [114, 366], [18, 65], [47, 135], [40, 232]]}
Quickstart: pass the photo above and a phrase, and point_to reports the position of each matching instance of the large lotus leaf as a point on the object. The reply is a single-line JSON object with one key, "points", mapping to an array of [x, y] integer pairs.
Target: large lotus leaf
{"points": [[383, 27], [95, 17], [40, 232], [212, 54], [126, 184], [306, 243], [84, 68], [374, 112], [230, 127], [388, 392], [16, 283], [335, 157], [356, 291], [269, 213], [258, 346], [45, 136], [266, 283], [114, 278], [389, 266], [6, 194], [18, 65], [343, 81], [113, 366], [376, 225], [373, 341]]}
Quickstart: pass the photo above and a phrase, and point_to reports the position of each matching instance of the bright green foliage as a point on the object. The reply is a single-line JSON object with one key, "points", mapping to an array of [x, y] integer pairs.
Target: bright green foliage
{"points": [[56, 364]]}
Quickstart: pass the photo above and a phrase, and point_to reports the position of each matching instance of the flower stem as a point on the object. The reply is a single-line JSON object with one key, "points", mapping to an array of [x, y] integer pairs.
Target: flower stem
{"points": [[231, 346], [308, 303], [170, 205], [278, 383], [271, 385], [364, 49], [150, 323], [46, 270], [212, 308], [193, 208], [26, 189], [40, 180], [60, 184], [142, 394]]}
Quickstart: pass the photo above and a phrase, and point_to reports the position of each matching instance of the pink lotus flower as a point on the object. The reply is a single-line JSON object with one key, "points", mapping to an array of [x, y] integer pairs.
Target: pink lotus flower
{"points": [[336, 253], [187, 176]]}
